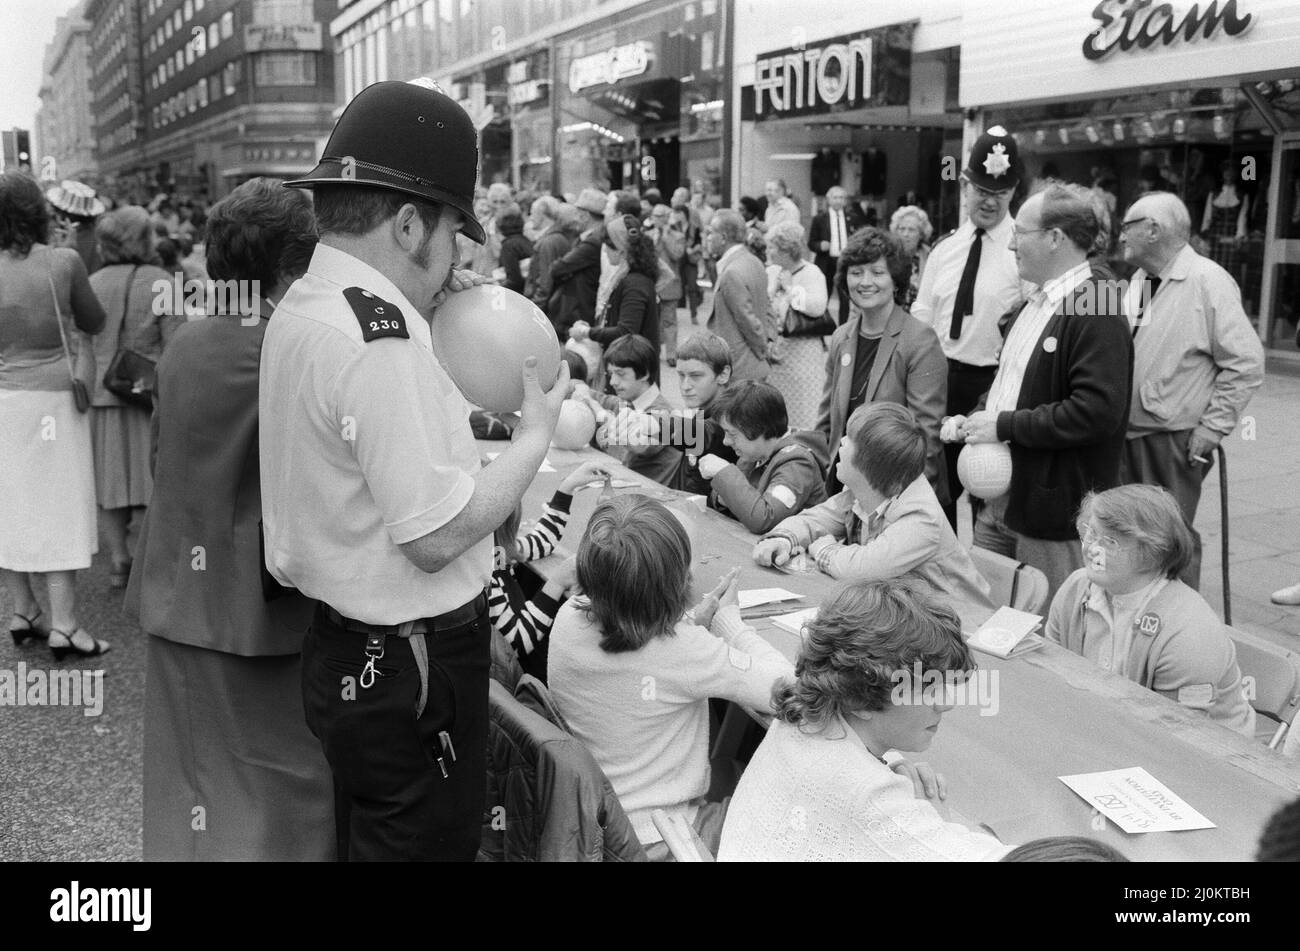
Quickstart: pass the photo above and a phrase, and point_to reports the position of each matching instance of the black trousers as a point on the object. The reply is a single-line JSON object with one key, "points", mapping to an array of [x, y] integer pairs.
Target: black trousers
{"points": [[392, 800], [1161, 459], [966, 384]]}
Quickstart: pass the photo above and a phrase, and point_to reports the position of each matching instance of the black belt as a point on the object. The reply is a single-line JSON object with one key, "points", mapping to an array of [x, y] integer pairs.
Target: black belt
{"points": [[458, 617], [957, 366]]}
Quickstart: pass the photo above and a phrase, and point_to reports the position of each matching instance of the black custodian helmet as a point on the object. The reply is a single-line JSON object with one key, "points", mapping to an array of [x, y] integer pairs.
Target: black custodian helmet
{"points": [[410, 137]]}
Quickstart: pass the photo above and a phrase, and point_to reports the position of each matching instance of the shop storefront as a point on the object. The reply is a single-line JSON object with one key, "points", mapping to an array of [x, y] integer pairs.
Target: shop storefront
{"points": [[1199, 99], [863, 97], [640, 100]]}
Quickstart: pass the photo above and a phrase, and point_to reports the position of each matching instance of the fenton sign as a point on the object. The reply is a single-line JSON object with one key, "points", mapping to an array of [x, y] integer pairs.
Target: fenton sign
{"points": [[1142, 23]]}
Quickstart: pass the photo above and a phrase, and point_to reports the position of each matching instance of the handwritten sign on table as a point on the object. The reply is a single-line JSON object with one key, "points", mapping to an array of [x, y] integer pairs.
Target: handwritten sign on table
{"points": [[1136, 801]]}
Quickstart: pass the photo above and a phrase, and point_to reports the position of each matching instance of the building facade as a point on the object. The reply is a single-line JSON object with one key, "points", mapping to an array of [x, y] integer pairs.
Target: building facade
{"points": [[234, 89], [860, 96], [65, 133], [116, 92], [566, 93]]}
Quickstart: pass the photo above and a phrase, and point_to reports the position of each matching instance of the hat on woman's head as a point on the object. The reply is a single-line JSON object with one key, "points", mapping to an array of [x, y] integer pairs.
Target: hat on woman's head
{"points": [[591, 200], [75, 198]]}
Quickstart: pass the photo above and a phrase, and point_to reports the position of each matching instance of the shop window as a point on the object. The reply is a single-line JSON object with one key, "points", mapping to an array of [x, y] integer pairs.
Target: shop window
{"points": [[285, 69], [446, 32], [227, 24], [214, 35]]}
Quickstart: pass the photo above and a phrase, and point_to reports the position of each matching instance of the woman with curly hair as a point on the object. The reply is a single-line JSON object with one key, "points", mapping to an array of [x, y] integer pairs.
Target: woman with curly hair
{"points": [[881, 353], [47, 481], [223, 721], [820, 787], [911, 225]]}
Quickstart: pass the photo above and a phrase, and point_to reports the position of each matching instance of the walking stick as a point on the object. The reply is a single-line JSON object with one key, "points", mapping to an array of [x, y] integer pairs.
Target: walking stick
{"points": [[1223, 528]]}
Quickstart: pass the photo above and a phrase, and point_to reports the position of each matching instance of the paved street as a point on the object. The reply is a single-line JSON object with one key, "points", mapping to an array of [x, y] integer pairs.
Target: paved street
{"points": [[70, 784]]}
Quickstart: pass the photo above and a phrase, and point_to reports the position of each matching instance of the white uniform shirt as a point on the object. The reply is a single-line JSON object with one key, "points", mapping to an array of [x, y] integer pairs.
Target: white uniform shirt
{"points": [[1004, 394], [364, 446], [998, 289]]}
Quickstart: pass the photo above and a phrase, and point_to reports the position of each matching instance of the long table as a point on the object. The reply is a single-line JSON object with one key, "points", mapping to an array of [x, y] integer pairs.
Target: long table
{"points": [[1057, 715]]}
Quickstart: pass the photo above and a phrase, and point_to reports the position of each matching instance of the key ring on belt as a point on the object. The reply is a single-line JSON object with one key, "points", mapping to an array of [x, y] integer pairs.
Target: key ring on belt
{"points": [[374, 652]]}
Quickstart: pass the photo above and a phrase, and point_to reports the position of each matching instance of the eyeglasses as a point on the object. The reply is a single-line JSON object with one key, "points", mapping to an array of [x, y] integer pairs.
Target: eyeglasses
{"points": [[1021, 232], [1089, 537], [1124, 225], [1002, 195]]}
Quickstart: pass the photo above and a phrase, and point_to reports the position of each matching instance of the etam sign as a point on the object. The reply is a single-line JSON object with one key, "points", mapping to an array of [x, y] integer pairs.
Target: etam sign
{"points": [[1125, 24]]}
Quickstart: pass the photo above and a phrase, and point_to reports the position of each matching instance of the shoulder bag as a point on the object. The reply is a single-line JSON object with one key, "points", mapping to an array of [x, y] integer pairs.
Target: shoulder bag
{"points": [[131, 376], [80, 393]]}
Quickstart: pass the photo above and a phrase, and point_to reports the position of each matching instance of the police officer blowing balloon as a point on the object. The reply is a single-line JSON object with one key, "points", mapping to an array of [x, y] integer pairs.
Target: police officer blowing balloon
{"points": [[374, 501]]}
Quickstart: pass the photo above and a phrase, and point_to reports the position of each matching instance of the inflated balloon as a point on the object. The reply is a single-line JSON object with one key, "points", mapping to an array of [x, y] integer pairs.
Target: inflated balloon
{"points": [[985, 469], [482, 337], [575, 426]]}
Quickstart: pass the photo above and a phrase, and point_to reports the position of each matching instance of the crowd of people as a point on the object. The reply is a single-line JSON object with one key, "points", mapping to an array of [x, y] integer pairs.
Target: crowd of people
{"points": [[321, 465]]}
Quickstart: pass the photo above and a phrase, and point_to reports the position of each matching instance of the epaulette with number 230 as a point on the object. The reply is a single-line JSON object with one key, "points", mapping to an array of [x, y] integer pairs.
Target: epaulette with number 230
{"points": [[377, 317]]}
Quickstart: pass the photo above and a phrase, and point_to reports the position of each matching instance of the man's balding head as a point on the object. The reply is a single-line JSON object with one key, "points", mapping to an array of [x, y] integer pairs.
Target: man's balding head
{"points": [[1156, 227]]}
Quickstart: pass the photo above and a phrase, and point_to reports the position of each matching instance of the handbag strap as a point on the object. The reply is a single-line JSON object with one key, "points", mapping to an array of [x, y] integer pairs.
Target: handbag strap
{"points": [[126, 306], [58, 318]]}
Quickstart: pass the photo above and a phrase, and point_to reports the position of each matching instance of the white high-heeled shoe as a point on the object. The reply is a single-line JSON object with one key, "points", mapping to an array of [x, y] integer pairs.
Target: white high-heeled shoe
{"points": [[1289, 595]]}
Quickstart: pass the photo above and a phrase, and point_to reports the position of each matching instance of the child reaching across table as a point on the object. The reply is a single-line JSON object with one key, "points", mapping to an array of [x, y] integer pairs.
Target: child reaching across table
{"points": [[632, 676], [780, 472], [886, 522], [523, 621]]}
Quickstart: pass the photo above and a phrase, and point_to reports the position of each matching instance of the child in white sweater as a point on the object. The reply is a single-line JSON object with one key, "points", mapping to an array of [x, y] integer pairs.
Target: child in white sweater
{"points": [[632, 677], [826, 783]]}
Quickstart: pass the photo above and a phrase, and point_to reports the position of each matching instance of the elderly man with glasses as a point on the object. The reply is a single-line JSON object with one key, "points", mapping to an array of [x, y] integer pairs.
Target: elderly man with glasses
{"points": [[1197, 360], [971, 280]]}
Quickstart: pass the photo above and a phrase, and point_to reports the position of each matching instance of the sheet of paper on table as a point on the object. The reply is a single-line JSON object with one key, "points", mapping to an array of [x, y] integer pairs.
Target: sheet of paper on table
{"points": [[613, 484], [756, 596], [795, 621], [1008, 633], [544, 467], [1136, 801]]}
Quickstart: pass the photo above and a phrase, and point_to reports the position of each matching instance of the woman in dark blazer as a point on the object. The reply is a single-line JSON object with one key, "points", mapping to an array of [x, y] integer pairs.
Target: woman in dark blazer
{"points": [[633, 305], [881, 353], [231, 771]]}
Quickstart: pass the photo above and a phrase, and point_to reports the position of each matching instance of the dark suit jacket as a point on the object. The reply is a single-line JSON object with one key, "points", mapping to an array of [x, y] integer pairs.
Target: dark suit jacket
{"points": [[910, 370], [819, 230], [575, 277], [739, 314], [549, 248], [207, 492], [1067, 430]]}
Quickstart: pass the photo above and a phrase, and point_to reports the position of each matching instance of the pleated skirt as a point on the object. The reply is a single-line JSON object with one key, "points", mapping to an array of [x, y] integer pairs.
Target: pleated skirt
{"points": [[122, 442]]}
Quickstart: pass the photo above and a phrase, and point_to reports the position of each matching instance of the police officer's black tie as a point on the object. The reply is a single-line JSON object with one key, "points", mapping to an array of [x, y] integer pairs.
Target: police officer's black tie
{"points": [[964, 302]]}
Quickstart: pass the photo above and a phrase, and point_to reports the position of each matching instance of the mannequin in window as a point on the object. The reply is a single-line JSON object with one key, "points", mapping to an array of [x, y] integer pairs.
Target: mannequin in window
{"points": [[1224, 221]]}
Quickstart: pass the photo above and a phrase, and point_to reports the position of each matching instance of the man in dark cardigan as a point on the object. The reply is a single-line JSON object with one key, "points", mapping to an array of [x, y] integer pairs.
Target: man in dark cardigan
{"points": [[1061, 394]]}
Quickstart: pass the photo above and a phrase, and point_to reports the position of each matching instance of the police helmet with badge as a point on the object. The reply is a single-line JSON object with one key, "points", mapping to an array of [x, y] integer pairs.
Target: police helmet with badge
{"points": [[409, 137], [994, 162]]}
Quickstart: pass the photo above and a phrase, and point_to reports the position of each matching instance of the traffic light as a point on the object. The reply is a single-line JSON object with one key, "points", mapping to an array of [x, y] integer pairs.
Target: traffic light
{"points": [[24, 143]]}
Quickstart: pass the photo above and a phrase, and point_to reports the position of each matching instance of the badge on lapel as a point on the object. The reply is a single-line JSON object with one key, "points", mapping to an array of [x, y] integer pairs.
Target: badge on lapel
{"points": [[845, 359], [1049, 345], [1148, 624]]}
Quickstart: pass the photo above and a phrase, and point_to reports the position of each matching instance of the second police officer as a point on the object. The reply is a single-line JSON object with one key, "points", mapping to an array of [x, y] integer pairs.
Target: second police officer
{"points": [[374, 500]]}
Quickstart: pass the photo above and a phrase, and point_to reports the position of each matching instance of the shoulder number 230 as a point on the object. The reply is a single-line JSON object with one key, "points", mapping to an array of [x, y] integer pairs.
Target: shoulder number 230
{"points": [[384, 325]]}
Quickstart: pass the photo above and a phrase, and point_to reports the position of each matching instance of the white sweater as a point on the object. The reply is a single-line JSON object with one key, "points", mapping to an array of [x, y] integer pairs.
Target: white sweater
{"points": [[823, 797], [644, 715]]}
